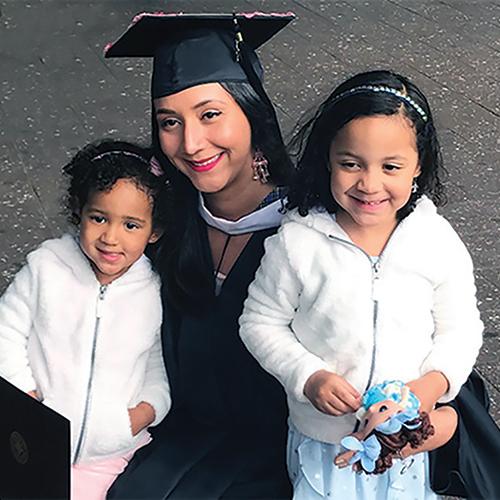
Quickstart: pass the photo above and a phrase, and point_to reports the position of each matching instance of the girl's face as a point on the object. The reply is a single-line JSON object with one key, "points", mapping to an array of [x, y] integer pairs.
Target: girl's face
{"points": [[373, 161], [115, 228], [206, 135]]}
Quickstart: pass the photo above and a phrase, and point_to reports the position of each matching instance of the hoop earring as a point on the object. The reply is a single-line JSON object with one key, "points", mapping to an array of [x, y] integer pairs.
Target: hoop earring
{"points": [[414, 186], [260, 167]]}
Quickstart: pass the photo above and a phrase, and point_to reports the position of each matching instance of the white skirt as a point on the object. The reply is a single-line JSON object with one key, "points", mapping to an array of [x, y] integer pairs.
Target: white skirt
{"points": [[314, 475]]}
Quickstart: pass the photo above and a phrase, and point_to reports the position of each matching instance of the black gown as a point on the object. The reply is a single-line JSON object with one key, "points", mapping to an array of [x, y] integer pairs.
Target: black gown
{"points": [[467, 466], [226, 434]]}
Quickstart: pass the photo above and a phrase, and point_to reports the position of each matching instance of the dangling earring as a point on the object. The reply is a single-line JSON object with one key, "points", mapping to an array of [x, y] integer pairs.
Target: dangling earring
{"points": [[414, 186], [259, 165]]}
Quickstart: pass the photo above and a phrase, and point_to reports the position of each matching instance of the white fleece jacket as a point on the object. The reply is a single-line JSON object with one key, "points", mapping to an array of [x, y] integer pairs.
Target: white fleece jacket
{"points": [[318, 302], [90, 351]]}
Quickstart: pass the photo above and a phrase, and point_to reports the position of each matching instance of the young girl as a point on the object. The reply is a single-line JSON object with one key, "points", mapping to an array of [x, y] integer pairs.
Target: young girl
{"points": [[80, 323], [364, 284]]}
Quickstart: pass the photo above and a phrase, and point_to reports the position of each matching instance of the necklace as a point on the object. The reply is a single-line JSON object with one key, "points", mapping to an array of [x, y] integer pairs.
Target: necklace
{"points": [[223, 254]]}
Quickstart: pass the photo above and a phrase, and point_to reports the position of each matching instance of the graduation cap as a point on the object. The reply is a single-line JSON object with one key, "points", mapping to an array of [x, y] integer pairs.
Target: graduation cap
{"points": [[191, 49]]}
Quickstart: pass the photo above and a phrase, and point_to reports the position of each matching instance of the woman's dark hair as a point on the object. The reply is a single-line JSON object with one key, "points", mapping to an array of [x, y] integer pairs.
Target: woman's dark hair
{"points": [[311, 144], [184, 262], [99, 165]]}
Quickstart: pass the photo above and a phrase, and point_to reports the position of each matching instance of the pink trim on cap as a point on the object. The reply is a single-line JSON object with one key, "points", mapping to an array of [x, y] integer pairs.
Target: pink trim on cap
{"points": [[258, 13], [159, 13]]}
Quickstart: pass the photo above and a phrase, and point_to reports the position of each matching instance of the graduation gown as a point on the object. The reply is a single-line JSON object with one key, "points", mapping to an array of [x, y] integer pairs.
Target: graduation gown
{"points": [[226, 434], [467, 466]]}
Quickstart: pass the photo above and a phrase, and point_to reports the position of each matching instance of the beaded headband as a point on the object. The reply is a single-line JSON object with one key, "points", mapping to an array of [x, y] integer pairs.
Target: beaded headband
{"points": [[118, 152], [153, 164], [387, 90]]}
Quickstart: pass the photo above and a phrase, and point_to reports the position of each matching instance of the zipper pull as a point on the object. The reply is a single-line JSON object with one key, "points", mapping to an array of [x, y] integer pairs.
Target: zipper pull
{"points": [[375, 281], [100, 300]]}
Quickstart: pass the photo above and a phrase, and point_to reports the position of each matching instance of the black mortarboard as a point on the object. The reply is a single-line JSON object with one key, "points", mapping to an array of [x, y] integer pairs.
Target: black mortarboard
{"points": [[191, 49]]}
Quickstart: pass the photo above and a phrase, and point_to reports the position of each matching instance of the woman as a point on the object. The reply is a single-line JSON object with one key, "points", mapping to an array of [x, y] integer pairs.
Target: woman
{"points": [[216, 137]]}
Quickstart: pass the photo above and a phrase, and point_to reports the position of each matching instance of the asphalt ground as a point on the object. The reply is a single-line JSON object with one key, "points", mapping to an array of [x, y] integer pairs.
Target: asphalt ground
{"points": [[57, 92]]}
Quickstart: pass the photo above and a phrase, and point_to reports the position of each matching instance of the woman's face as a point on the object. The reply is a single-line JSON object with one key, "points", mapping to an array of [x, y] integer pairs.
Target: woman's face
{"points": [[206, 135]]}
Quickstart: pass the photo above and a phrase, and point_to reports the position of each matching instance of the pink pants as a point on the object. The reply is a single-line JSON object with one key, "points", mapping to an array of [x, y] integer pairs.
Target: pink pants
{"points": [[92, 480]]}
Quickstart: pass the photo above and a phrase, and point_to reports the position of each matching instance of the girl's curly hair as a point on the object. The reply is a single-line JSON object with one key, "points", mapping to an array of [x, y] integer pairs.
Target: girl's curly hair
{"points": [[99, 165]]}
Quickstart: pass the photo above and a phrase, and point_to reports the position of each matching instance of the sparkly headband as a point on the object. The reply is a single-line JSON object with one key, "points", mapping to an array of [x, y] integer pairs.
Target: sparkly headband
{"points": [[153, 164], [387, 90]]}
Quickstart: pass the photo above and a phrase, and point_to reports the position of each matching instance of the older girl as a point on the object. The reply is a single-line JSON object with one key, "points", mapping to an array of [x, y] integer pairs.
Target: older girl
{"points": [[365, 283]]}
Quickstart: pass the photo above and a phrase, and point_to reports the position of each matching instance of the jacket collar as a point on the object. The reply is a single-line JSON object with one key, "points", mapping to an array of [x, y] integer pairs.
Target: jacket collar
{"points": [[324, 222], [67, 250]]}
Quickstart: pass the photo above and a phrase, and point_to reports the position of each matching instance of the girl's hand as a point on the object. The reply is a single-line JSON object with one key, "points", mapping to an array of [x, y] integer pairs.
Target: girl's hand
{"points": [[331, 393], [141, 416], [429, 388]]}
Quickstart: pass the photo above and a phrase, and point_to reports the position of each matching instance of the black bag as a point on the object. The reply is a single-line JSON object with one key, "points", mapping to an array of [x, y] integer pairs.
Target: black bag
{"points": [[469, 464]]}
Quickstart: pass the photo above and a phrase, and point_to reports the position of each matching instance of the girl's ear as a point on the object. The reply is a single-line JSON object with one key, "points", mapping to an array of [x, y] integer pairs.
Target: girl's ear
{"points": [[155, 236]]}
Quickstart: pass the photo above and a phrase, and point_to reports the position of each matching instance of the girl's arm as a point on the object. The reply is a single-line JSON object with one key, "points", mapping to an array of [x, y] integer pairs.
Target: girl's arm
{"points": [[265, 325], [458, 327], [16, 312], [155, 396]]}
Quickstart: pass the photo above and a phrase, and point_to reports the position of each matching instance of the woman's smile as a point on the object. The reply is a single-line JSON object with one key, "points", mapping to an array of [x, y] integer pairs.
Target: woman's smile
{"points": [[206, 164], [203, 130]]}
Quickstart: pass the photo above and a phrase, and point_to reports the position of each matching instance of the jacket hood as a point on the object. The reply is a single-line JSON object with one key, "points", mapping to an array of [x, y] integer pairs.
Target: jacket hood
{"points": [[323, 222], [66, 250]]}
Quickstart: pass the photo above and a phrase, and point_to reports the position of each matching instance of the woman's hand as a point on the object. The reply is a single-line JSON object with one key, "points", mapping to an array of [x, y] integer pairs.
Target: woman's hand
{"points": [[141, 416], [429, 388], [331, 393]]}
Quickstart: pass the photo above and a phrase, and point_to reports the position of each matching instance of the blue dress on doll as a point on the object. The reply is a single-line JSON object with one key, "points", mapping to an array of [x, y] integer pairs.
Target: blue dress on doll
{"points": [[315, 476]]}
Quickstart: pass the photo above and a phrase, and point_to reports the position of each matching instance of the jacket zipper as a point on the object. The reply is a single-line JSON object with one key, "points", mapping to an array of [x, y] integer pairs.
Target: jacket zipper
{"points": [[375, 278], [375, 267], [88, 399]]}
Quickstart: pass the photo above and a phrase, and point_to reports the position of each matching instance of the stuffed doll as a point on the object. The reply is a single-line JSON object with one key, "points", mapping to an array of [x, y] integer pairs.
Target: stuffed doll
{"points": [[389, 419]]}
